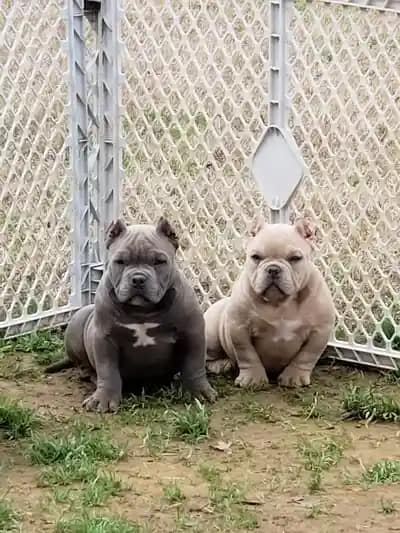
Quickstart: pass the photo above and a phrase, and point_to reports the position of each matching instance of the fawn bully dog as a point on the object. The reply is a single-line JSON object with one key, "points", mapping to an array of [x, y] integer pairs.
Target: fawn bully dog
{"points": [[280, 315], [145, 325]]}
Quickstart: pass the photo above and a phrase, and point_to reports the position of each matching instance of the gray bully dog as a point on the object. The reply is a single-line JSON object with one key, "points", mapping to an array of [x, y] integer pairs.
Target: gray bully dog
{"points": [[145, 325]]}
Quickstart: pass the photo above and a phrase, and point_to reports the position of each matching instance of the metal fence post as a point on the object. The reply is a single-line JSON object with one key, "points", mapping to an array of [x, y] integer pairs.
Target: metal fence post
{"points": [[277, 163], [79, 152], [278, 77], [109, 118]]}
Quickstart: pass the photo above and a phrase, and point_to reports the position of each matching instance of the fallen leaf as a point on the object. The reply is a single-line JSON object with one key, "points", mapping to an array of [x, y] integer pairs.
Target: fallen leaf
{"points": [[222, 446]]}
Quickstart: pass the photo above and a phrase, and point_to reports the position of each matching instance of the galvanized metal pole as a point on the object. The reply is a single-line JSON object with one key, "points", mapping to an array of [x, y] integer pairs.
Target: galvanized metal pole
{"points": [[78, 143], [278, 78], [109, 118]]}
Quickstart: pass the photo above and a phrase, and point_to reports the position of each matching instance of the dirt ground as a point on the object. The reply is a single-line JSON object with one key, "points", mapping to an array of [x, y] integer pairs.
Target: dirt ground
{"points": [[248, 473]]}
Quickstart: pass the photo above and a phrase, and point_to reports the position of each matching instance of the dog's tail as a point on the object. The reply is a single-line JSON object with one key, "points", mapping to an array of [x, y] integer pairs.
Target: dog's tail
{"points": [[59, 365]]}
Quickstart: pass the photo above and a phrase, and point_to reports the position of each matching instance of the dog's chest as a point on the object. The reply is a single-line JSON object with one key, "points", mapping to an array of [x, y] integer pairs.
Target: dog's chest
{"points": [[151, 334], [278, 331]]}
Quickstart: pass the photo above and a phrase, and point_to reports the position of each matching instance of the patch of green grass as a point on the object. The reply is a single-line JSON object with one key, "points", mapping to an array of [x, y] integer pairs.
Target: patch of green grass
{"points": [[73, 457], [94, 493], [69, 471], [387, 507], [100, 489], [366, 404], [156, 440], [224, 386], [256, 412], [186, 522], [210, 473], [173, 494], [312, 404], [17, 421], [319, 457], [314, 512], [382, 472], [393, 377], [45, 346], [97, 524], [191, 424], [8, 518], [227, 501], [145, 409]]}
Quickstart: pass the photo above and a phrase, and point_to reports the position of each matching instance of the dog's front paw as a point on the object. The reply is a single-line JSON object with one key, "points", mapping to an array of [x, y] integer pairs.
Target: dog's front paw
{"points": [[203, 391], [102, 401], [252, 378], [294, 377]]}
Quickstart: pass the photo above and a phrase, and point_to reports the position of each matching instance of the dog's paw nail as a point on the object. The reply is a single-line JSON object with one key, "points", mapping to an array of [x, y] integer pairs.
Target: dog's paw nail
{"points": [[293, 380]]}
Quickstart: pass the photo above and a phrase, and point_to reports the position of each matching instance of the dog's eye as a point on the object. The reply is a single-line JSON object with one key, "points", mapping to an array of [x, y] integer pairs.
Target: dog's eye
{"points": [[159, 261], [256, 258], [295, 258], [119, 261]]}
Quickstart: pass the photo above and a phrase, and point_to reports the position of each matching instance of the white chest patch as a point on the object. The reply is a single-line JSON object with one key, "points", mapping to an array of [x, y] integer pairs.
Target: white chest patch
{"points": [[285, 330], [140, 330]]}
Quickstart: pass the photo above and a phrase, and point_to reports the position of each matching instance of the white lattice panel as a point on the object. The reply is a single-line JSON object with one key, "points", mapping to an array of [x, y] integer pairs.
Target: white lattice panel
{"points": [[34, 182], [345, 118], [195, 107]]}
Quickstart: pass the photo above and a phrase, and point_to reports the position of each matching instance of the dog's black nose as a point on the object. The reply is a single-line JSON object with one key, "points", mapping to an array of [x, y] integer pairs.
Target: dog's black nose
{"points": [[274, 270], [138, 280]]}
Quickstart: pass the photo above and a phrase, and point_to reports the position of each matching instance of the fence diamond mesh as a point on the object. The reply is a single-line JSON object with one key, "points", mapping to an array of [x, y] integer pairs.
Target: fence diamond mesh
{"points": [[34, 183], [345, 115], [194, 108]]}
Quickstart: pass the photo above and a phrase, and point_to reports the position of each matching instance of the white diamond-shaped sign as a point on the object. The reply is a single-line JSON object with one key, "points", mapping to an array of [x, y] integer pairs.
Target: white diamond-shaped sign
{"points": [[278, 167]]}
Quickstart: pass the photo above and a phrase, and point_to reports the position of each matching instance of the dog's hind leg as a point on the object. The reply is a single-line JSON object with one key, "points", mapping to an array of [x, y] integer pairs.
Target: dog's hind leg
{"points": [[217, 361], [74, 342]]}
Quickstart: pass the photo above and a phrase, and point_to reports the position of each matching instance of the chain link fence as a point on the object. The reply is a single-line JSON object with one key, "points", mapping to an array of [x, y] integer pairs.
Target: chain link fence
{"points": [[345, 116], [35, 249], [194, 108]]}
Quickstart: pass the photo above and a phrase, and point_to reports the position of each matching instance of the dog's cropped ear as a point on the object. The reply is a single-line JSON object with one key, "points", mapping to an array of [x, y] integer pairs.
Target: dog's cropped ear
{"points": [[256, 225], [164, 228], [306, 228], [115, 230]]}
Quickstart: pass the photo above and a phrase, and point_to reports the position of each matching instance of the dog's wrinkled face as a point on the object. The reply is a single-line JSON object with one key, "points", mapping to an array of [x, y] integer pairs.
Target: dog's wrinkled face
{"points": [[141, 261], [278, 259]]}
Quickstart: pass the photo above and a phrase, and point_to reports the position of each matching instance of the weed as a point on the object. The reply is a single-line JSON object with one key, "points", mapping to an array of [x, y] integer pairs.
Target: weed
{"points": [[97, 524], [255, 412], [387, 507], [185, 522], [17, 421], [100, 489], [73, 457], [156, 439], [319, 457], [314, 512], [96, 491], [8, 518], [393, 377], [191, 424], [210, 473], [384, 471], [312, 405], [46, 346], [365, 404], [173, 494], [146, 409], [69, 471], [226, 500]]}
